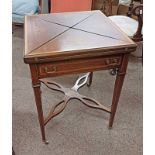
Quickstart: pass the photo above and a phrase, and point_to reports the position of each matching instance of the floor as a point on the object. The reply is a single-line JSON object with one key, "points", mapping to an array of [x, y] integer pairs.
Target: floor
{"points": [[79, 130]]}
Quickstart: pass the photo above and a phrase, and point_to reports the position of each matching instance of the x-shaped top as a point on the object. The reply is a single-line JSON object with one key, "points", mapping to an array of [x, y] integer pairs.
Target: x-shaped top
{"points": [[62, 34]]}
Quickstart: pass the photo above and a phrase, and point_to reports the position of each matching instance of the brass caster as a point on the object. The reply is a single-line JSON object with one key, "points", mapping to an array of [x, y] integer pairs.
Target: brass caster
{"points": [[109, 127], [88, 84], [113, 72], [45, 142]]}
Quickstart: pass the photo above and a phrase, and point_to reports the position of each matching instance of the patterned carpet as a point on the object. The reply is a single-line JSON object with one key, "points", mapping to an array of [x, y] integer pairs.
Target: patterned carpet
{"points": [[79, 130]]}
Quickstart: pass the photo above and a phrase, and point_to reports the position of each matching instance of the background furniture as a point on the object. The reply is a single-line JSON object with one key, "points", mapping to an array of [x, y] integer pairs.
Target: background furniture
{"points": [[80, 5], [20, 8], [132, 27], [131, 23], [69, 5], [104, 5]]}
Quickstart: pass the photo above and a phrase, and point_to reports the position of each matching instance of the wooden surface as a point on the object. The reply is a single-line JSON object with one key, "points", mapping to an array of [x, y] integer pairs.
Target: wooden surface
{"points": [[68, 34], [67, 43]]}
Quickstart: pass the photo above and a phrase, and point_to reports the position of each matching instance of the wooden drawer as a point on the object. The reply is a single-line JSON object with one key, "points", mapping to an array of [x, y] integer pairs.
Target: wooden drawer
{"points": [[77, 66]]}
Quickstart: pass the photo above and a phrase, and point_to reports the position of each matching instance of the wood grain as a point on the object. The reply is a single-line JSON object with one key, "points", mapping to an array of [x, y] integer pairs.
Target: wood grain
{"points": [[61, 44], [90, 31]]}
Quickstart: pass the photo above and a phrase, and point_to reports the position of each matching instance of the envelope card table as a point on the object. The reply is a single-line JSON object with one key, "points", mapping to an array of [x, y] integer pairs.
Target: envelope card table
{"points": [[75, 42]]}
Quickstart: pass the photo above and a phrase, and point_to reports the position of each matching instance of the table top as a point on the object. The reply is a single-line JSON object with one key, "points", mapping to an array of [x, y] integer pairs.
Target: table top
{"points": [[61, 35]]}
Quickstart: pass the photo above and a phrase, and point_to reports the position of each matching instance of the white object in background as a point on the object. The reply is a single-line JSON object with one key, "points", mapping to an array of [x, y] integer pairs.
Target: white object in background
{"points": [[125, 2]]}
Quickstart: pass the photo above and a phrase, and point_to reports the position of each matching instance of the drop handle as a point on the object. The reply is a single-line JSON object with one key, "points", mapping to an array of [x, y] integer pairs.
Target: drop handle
{"points": [[50, 69]]}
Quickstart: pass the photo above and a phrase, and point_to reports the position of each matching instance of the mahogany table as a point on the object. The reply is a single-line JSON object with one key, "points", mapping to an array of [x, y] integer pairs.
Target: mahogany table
{"points": [[80, 42]]}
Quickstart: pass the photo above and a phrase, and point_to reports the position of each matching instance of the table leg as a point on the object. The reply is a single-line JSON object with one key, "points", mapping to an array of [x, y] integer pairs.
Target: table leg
{"points": [[90, 79], [118, 87], [37, 93]]}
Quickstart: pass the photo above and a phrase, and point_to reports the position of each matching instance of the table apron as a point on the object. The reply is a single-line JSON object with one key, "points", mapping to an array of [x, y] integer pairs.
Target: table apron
{"points": [[78, 66]]}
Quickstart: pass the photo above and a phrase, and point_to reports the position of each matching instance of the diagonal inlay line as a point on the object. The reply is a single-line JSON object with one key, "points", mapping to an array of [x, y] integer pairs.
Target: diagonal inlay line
{"points": [[82, 30], [63, 32]]}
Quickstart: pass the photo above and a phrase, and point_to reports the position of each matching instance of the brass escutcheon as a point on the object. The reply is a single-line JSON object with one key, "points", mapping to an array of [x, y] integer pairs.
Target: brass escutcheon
{"points": [[50, 69]]}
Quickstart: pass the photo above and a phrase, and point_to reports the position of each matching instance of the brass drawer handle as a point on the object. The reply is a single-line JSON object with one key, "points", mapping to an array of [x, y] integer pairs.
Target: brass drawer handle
{"points": [[115, 60], [51, 69]]}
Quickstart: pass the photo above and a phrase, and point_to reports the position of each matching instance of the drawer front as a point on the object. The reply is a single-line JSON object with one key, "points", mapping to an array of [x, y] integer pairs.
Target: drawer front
{"points": [[77, 66]]}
